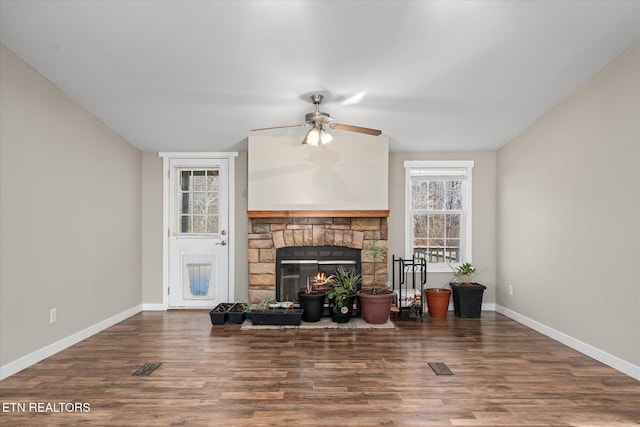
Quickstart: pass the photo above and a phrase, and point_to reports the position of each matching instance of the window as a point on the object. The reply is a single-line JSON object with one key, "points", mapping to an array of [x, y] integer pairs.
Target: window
{"points": [[198, 201], [438, 212]]}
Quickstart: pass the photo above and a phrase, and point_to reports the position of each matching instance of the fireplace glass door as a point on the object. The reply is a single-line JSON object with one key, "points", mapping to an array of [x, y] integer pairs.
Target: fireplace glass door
{"points": [[297, 265], [295, 274]]}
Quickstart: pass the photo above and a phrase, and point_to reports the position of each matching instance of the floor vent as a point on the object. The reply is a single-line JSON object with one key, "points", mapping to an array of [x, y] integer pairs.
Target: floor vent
{"points": [[146, 369], [440, 368]]}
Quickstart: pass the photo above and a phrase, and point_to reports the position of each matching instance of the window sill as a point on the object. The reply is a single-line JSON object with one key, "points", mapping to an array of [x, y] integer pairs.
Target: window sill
{"points": [[439, 269]]}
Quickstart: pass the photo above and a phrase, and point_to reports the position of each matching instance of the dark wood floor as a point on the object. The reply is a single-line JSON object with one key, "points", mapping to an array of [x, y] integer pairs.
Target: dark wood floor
{"points": [[505, 374]]}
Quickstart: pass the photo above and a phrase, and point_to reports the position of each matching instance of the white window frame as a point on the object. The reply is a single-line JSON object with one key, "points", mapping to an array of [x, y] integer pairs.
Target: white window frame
{"points": [[442, 167]]}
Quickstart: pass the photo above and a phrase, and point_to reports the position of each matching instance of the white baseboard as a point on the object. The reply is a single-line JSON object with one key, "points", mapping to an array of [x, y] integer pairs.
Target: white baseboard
{"points": [[485, 307], [584, 348], [154, 307], [488, 307], [41, 354]]}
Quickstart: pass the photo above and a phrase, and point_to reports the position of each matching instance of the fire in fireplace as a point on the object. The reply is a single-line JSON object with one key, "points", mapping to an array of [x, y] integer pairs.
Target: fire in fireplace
{"points": [[296, 265]]}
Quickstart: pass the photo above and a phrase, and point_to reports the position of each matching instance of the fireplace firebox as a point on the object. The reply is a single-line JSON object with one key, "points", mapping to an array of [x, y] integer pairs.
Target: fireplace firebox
{"points": [[296, 265]]}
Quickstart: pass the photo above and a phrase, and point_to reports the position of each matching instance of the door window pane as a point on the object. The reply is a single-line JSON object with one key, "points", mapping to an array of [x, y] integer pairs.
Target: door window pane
{"points": [[198, 200]]}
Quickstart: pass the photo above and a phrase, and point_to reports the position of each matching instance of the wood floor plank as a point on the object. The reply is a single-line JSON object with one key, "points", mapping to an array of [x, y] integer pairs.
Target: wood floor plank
{"points": [[505, 374]]}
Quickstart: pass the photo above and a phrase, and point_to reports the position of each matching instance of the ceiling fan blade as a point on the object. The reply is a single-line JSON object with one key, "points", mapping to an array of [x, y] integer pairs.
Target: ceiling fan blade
{"points": [[358, 129], [281, 127]]}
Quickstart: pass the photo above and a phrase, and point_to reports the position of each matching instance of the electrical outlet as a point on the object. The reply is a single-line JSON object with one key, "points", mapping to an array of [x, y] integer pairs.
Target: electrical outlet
{"points": [[510, 290], [53, 316]]}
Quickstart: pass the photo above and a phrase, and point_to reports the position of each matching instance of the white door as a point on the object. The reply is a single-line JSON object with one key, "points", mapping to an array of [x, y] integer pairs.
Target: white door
{"points": [[198, 232]]}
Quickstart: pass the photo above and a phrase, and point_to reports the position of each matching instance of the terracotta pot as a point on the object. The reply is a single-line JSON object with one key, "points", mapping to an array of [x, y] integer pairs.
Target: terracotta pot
{"points": [[437, 301], [375, 308]]}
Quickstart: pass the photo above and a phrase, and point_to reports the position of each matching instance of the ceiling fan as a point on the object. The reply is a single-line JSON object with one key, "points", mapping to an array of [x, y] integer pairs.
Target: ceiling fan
{"points": [[317, 120]]}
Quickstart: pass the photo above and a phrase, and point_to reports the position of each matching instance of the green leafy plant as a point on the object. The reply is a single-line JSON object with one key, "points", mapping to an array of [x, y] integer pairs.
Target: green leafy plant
{"points": [[344, 284], [289, 305], [376, 253], [264, 303], [465, 272]]}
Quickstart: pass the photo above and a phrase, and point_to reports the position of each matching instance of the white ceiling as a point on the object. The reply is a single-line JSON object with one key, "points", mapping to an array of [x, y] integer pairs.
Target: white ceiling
{"points": [[437, 75]]}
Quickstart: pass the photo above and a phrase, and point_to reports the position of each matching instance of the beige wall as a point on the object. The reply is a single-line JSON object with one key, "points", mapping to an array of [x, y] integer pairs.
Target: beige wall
{"points": [[152, 229], [569, 214], [242, 263], [69, 215], [483, 224]]}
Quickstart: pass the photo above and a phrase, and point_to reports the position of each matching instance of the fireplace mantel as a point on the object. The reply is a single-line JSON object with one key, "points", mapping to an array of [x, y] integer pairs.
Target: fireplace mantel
{"points": [[319, 214]]}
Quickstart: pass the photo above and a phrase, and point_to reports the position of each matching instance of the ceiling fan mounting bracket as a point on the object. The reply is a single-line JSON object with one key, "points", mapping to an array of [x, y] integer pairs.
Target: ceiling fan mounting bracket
{"points": [[317, 117], [317, 98]]}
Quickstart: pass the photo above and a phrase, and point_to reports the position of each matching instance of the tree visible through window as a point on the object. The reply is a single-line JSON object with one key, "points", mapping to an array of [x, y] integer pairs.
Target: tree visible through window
{"points": [[439, 207], [199, 202]]}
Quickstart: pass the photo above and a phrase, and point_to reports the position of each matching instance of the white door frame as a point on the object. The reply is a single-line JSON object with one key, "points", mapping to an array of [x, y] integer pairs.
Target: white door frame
{"points": [[166, 174]]}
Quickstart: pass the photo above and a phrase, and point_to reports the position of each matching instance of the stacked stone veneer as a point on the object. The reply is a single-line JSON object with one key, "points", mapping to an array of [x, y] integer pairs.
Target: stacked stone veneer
{"points": [[266, 235]]}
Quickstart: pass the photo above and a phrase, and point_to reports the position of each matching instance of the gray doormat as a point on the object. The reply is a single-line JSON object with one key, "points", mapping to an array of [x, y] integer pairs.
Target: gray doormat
{"points": [[324, 323], [440, 368], [146, 369]]}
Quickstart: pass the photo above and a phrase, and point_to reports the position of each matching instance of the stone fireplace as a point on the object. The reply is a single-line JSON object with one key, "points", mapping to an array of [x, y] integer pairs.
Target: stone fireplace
{"points": [[268, 234]]}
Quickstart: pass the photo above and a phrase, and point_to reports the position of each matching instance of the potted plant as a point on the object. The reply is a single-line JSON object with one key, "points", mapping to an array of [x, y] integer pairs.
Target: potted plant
{"points": [[269, 312], [219, 313], [342, 294], [437, 301], [311, 300], [236, 313], [375, 301], [467, 296]]}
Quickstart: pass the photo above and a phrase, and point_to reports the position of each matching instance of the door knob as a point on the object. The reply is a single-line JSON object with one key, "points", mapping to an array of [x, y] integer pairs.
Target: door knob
{"points": [[223, 243]]}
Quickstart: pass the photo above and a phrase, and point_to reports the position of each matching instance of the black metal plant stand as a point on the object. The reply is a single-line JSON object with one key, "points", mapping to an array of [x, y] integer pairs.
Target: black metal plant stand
{"points": [[416, 270]]}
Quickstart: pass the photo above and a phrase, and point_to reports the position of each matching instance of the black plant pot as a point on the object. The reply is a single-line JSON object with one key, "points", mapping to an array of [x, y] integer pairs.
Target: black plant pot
{"points": [[344, 313], [236, 313], [277, 316], [219, 314], [313, 305], [467, 299]]}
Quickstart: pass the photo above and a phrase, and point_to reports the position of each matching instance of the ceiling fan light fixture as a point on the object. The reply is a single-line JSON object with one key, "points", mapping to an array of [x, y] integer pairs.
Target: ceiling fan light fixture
{"points": [[317, 135], [325, 137], [312, 137]]}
